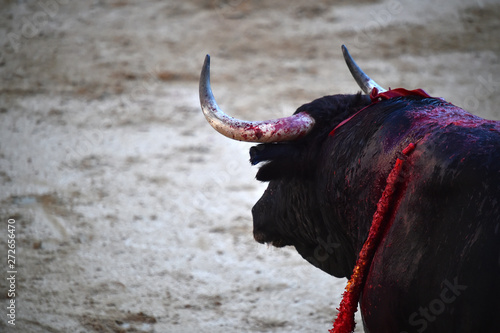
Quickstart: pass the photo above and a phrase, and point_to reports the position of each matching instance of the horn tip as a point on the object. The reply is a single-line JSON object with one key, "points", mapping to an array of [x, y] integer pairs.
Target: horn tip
{"points": [[344, 49]]}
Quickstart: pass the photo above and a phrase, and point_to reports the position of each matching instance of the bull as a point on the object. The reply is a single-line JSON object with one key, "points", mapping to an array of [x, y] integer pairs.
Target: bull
{"points": [[433, 264]]}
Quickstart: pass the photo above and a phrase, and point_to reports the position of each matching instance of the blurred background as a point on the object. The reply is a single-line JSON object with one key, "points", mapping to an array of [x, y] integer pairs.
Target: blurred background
{"points": [[132, 214]]}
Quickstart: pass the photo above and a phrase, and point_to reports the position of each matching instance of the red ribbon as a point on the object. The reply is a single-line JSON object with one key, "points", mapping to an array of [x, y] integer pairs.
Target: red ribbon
{"points": [[376, 97], [344, 323]]}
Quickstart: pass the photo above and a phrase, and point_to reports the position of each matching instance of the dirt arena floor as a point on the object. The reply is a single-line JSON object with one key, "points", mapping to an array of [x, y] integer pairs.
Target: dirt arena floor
{"points": [[131, 213]]}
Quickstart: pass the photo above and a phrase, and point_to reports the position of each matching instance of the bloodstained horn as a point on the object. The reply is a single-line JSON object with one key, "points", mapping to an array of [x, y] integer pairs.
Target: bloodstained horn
{"points": [[282, 129]]}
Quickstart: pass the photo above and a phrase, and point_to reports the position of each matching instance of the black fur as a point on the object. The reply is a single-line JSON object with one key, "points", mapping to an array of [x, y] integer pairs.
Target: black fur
{"points": [[324, 190]]}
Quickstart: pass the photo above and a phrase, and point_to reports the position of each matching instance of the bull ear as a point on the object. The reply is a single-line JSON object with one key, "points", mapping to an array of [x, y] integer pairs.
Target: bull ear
{"points": [[270, 152], [281, 160]]}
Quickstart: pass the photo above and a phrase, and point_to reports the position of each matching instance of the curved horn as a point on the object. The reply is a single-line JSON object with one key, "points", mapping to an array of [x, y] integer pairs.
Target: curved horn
{"points": [[363, 80], [283, 129]]}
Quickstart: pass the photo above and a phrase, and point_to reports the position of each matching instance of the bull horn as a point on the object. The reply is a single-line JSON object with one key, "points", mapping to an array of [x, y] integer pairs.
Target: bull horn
{"points": [[363, 80], [282, 129]]}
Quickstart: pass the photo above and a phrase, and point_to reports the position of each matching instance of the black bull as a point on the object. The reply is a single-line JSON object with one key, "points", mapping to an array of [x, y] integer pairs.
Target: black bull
{"points": [[437, 267]]}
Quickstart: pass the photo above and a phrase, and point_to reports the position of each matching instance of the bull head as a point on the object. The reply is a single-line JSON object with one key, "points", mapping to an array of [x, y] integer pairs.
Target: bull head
{"points": [[285, 138], [275, 130]]}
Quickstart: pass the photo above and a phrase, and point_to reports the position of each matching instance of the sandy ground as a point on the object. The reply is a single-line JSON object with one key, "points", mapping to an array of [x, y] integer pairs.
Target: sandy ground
{"points": [[131, 213]]}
